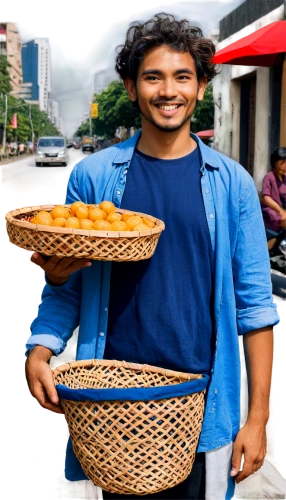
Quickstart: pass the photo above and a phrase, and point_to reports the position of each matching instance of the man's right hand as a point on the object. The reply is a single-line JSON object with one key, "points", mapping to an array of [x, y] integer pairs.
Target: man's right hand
{"points": [[40, 379], [59, 269]]}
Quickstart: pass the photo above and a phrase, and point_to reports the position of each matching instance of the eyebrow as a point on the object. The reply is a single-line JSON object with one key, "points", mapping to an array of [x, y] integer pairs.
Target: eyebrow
{"points": [[158, 72]]}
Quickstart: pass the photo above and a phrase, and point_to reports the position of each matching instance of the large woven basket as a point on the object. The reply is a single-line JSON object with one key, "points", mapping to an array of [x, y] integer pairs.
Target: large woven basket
{"points": [[134, 428], [80, 243]]}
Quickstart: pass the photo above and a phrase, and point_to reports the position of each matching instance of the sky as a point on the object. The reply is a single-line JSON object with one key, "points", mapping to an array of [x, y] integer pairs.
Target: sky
{"points": [[83, 37]]}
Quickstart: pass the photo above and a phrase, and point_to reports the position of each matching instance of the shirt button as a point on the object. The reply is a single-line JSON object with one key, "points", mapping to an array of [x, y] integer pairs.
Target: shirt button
{"points": [[215, 391], [207, 191], [125, 171], [118, 192], [101, 334], [211, 216], [106, 309], [212, 409]]}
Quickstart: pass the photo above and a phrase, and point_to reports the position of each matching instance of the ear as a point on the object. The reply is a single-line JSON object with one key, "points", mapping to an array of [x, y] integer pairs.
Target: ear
{"points": [[202, 87], [131, 88]]}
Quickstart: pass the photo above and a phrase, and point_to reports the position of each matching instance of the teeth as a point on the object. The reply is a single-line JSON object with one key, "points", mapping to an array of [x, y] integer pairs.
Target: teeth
{"points": [[168, 108]]}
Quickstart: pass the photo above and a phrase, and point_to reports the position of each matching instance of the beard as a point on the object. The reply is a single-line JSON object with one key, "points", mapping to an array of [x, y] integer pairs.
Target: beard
{"points": [[165, 128]]}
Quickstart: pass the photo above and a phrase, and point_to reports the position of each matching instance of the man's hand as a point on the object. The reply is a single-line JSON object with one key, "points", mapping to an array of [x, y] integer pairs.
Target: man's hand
{"points": [[250, 441], [40, 379], [59, 269]]}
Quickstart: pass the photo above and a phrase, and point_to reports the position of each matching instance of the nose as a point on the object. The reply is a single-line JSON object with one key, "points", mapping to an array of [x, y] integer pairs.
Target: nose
{"points": [[168, 89]]}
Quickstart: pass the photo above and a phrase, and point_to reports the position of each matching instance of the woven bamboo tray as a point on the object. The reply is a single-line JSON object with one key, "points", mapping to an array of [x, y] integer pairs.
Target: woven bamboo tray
{"points": [[80, 243], [128, 444]]}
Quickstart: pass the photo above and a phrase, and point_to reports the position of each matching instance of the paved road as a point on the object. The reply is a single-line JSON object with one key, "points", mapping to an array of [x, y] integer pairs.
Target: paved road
{"points": [[25, 176]]}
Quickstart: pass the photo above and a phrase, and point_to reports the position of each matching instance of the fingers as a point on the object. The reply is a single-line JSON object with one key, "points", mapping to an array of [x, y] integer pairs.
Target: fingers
{"points": [[41, 385], [247, 470], [59, 266], [236, 459]]}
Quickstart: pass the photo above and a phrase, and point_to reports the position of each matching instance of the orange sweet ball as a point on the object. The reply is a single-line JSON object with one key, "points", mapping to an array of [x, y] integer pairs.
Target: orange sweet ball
{"points": [[43, 217], [86, 224], [141, 227], [107, 206], [113, 217], [96, 213], [59, 222], [119, 225], [82, 212], [102, 225], [59, 211], [75, 206], [133, 221], [148, 222], [73, 222], [124, 217]]}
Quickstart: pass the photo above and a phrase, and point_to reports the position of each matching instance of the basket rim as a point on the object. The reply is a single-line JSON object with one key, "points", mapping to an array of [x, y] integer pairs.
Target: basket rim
{"points": [[10, 218], [124, 364]]}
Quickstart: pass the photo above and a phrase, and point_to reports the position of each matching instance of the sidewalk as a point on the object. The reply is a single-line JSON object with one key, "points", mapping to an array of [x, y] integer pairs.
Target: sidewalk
{"points": [[12, 159]]}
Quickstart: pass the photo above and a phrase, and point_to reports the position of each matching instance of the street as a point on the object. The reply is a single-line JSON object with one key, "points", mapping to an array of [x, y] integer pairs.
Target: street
{"points": [[25, 176]]}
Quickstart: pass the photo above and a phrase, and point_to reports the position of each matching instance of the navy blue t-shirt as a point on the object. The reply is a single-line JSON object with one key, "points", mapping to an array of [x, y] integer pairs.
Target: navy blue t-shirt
{"points": [[161, 309]]}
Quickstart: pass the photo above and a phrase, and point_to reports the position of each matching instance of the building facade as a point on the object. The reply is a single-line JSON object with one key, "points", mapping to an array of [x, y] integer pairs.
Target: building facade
{"points": [[36, 57], [10, 46], [249, 100], [54, 113]]}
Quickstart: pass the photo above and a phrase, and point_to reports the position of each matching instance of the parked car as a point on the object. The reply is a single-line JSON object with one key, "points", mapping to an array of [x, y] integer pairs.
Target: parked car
{"points": [[87, 144], [52, 150]]}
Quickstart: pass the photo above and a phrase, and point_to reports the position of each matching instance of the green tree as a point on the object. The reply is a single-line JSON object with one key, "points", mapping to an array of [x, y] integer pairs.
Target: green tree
{"points": [[41, 123], [114, 110], [203, 117]]}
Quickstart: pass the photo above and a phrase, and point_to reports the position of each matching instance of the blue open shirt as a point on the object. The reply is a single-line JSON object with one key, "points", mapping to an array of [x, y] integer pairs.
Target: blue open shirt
{"points": [[243, 292]]}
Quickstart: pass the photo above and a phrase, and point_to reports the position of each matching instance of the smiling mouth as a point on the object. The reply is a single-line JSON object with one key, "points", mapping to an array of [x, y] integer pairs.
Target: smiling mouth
{"points": [[168, 107]]}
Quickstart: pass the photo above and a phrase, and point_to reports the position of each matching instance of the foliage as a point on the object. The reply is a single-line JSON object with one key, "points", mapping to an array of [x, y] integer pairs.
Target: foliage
{"points": [[41, 123], [114, 110], [203, 117]]}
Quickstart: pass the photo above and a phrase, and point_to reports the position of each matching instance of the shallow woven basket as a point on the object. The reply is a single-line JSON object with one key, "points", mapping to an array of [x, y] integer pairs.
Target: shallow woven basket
{"points": [[80, 243], [134, 428]]}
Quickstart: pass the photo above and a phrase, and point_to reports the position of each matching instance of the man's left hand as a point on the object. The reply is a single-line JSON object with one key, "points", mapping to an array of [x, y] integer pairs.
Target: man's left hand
{"points": [[250, 442]]}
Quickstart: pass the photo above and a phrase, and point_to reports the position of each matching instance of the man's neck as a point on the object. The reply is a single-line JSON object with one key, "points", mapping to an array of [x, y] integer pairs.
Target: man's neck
{"points": [[165, 145]]}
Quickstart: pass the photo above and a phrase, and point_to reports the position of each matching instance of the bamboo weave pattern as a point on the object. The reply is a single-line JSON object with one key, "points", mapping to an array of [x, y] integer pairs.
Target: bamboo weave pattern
{"points": [[131, 447]]}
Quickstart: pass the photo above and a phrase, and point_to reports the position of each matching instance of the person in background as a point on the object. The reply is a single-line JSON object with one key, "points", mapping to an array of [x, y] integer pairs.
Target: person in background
{"points": [[21, 148], [273, 202]]}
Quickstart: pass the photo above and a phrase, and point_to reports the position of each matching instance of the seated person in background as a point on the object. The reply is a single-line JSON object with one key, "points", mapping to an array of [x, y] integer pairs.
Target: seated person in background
{"points": [[274, 197]]}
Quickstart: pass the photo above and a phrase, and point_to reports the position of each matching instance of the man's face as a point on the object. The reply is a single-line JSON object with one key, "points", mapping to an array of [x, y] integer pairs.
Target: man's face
{"points": [[167, 88]]}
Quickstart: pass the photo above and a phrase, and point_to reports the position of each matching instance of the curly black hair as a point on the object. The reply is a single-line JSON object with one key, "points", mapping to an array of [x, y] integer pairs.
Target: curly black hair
{"points": [[164, 29]]}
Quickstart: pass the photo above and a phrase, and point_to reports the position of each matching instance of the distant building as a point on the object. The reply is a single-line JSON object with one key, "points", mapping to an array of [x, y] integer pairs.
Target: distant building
{"points": [[54, 113], [248, 99], [10, 46], [60, 126], [36, 57]]}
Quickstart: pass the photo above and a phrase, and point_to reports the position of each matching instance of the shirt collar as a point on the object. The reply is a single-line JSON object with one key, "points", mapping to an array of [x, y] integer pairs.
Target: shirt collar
{"points": [[125, 151]]}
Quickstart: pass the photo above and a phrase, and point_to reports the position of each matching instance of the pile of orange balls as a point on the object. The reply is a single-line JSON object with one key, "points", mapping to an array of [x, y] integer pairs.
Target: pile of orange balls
{"points": [[100, 217]]}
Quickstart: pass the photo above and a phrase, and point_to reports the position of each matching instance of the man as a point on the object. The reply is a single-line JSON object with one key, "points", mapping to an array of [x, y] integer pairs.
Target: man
{"points": [[208, 281]]}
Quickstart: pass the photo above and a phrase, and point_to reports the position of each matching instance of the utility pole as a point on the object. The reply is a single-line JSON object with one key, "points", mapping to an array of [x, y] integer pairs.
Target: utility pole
{"points": [[5, 123], [92, 96]]}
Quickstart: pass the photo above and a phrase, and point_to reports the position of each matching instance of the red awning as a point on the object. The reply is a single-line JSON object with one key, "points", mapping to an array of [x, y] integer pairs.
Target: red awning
{"points": [[205, 134], [264, 47]]}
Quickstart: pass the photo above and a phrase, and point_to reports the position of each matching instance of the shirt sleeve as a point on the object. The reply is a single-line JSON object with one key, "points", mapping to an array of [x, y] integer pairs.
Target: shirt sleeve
{"points": [[251, 268], [59, 311], [266, 186]]}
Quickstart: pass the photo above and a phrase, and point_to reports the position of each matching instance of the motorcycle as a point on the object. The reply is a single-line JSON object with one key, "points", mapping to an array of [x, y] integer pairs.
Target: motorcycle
{"points": [[277, 254]]}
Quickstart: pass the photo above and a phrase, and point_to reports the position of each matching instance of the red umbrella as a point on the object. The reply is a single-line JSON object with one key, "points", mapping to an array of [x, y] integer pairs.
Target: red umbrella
{"points": [[205, 134], [261, 48]]}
